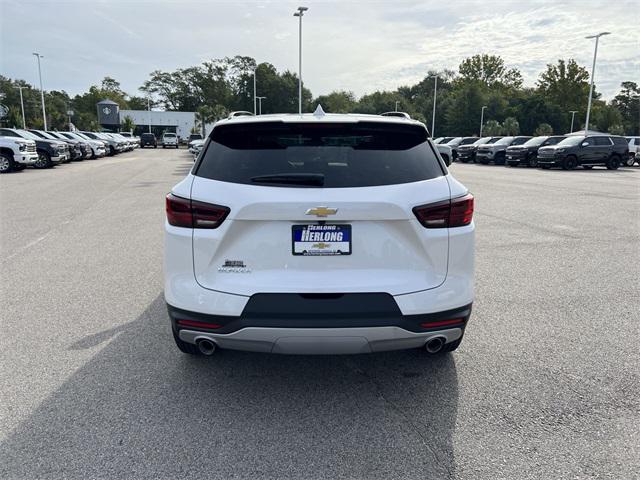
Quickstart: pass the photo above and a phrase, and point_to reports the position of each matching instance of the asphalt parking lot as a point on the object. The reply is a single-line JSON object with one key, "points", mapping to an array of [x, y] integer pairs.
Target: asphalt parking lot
{"points": [[545, 385]]}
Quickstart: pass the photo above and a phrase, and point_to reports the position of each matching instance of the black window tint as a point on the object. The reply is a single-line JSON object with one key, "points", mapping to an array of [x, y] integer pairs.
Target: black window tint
{"points": [[600, 141], [8, 133], [619, 141], [346, 154], [553, 140]]}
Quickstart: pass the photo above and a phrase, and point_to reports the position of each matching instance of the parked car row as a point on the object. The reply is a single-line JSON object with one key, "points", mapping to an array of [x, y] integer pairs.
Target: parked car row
{"points": [[563, 151], [45, 149], [168, 139]]}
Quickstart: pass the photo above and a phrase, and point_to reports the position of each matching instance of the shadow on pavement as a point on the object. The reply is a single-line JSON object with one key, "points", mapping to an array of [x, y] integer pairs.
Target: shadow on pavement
{"points": [[141, 409]]}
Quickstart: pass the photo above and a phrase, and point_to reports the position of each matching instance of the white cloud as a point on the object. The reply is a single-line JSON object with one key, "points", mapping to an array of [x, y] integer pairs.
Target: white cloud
{"points": [[347, 45]]}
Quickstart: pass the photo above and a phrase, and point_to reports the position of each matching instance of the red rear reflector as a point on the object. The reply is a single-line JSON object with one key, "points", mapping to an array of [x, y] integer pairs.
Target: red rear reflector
{"points": [[442, 323], [182, 212], [456, 212], [191, 323]]}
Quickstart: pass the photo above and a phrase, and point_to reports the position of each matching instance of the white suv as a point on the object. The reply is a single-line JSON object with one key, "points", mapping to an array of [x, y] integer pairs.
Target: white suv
{"points": [[319, 234], [169, 139]]}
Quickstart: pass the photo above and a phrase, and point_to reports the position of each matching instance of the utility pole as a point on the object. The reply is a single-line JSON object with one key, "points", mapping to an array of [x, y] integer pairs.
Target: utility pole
{"points": [[300, 14], [260, 104], [24, 121], [44, 112], [433, 120], [593, 72], [482, 120], [573, 115]]}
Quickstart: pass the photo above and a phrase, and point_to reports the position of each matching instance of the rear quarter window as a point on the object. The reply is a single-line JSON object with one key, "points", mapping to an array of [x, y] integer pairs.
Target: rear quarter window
{"points": [[619, 141], [344, 154]]}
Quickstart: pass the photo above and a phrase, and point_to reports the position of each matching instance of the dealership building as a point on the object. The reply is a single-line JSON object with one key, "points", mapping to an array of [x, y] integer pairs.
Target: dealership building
{"points": [[182, 123]]}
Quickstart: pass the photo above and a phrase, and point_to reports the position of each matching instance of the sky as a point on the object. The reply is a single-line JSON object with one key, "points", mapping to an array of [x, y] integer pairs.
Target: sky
{"points": [[361, 46]]}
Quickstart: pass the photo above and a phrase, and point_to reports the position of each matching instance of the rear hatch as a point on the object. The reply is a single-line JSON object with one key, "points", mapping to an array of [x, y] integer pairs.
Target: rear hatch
{"points": [[320, 208]]}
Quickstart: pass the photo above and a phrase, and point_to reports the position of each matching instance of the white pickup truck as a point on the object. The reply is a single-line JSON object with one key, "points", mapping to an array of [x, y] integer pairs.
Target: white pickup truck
{"points": [[16, 153]]}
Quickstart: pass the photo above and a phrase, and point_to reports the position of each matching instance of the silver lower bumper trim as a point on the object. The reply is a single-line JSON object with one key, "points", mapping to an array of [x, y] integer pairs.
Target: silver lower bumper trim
{"points": [[320, 341]]}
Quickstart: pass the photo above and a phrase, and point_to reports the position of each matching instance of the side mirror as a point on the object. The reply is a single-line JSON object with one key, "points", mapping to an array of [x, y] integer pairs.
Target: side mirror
{"points": [[585, 144]]}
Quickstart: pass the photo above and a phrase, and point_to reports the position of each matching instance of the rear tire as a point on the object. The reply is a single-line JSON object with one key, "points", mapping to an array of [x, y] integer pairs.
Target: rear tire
{"points": [[184, 347], [6, 163], [613, 163], [533, 161]]}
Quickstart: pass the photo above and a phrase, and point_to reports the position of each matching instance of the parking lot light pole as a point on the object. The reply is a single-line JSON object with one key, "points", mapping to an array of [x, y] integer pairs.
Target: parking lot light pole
{"points": [[149, 112], [397, 102], [593, 72], [44, 112], [254, 90], [573, 115], [482, 119], [24, 122], [260, 104], [300, 14], [435, 93]]}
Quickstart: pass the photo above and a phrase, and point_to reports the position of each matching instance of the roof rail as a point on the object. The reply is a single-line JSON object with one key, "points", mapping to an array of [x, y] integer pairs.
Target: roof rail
{"points": [[396, 114], [240, 113]]}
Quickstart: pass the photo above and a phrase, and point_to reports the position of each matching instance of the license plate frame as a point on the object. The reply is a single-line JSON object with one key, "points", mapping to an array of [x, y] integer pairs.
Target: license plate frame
{"points": [[327, 246]]}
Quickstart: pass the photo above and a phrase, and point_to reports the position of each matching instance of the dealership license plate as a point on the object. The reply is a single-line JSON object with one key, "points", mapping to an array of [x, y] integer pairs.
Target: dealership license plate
{"points": [[321, 240]]}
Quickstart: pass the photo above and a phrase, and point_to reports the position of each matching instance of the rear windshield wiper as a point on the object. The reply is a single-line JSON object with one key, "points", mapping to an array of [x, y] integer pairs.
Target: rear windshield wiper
{"points": [[315, 179]]}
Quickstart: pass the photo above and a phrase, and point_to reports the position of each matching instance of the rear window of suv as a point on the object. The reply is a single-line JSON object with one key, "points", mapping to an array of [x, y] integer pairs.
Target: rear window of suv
{"points": [[360, 154]]}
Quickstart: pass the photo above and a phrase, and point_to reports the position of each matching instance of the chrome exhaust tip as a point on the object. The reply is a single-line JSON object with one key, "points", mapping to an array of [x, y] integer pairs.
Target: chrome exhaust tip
{"points": [[434, 345], [206, 347]]}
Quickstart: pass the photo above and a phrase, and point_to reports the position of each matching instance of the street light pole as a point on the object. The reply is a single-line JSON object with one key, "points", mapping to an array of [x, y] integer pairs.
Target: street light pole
{"points": [[300, 14], [260, 104], [397, 102], [433, 120], [573, 115], [254, 89], [482, 119], [149, 112], [24, 122], [44, 113], [593, 71]]}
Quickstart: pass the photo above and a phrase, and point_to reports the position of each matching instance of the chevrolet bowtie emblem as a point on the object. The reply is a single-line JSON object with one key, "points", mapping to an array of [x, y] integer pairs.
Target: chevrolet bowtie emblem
{"points": [[321, 211]]}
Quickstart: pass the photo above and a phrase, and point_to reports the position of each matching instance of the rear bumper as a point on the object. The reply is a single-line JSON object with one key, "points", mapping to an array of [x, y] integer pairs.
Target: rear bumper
{"points": [[325, 341], [318, 333]]}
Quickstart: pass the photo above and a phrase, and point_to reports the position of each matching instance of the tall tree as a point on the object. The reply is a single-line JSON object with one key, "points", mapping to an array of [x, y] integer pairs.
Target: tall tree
{"points": [[463, 111], [566, 85], [490, 70], [628, 104], [336, 102]]}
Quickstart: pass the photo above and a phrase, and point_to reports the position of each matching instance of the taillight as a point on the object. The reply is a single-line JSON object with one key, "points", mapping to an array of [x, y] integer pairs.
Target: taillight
{"points": [[191, 323], [456, 212], [442, 323], [182, 212]]}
